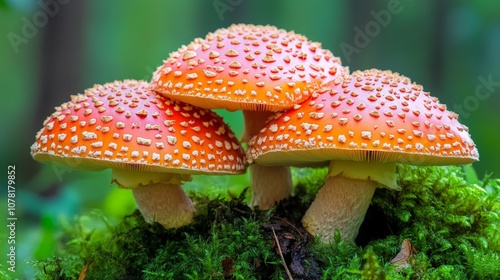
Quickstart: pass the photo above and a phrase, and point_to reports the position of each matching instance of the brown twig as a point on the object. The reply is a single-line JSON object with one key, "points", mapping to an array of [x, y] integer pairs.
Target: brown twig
{"points": [[83, 273], [281, 255]]}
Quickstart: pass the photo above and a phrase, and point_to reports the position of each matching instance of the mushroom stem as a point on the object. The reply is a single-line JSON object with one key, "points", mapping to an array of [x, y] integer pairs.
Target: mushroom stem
{"points": [[343, 200], [158, 195], [270, 184], [166, 204], [340, 204], [254, 122]]}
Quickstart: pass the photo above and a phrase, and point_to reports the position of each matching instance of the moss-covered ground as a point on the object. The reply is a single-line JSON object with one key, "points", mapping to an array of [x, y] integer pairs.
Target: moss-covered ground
{"points": [[451, 220]]}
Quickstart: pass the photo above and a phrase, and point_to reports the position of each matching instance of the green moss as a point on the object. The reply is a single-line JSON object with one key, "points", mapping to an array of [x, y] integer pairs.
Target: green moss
{"points": [[452, 223], [445, 218]]}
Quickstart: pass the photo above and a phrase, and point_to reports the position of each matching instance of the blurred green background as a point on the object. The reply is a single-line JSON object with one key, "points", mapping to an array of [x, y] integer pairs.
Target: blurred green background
{"points": [[53, 48]]}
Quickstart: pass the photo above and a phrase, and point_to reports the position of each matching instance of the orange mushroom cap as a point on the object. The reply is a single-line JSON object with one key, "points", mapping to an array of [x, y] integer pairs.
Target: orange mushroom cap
{"points": [[246, 67], [372, 116], [125, 125]]}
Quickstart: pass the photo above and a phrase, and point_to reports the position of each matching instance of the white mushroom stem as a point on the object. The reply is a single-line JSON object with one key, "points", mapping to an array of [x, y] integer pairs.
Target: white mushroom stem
{"points": [[342, 202], [159, 196], [269, 184], [166, 204]]}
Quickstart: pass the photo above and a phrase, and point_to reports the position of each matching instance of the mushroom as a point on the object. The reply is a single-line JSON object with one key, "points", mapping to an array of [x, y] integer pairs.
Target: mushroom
{"points": [[362, 125], [151, 143], [257, 69]]}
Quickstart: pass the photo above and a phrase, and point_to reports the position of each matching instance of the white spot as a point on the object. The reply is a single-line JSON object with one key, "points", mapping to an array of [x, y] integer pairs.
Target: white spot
{"points": [[305, 126], [61, 136], [273, 128], [95, 153], [342, 138], [108, 153], [97, 144], [235, 146], [195, 139], [143, 141], [159, 145], [127, 137], [316, 115], [167, 157], [79, 150], [418, 133], [156, 157], [171, 140], [186, 144], [227, 145], [86, 135], [135, 154], [49, 126], [366, 135]]}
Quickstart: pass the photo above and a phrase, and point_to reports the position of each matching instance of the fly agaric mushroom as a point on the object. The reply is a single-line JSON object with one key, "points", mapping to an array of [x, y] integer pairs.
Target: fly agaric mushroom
{"points": [[151, 143], [363, 126], [257, 69]]}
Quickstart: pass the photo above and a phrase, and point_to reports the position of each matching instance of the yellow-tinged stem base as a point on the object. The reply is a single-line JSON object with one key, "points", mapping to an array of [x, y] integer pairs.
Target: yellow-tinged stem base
{"points": [[382, 173], [130, 179]]}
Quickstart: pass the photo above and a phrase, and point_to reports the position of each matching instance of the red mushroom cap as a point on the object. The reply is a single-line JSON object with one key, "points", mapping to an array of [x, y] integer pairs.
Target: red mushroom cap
{"points": [[246, 67], [125, 125], [373, 116]]}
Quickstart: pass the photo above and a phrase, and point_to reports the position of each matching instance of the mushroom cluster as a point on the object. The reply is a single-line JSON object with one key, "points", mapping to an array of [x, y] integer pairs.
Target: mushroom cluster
{"points": [[260, 70], [301, 107]]}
